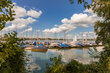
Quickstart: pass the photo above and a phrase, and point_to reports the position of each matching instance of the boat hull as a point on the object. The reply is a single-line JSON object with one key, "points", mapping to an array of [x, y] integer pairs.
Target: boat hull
{"points": [[39, 50]]}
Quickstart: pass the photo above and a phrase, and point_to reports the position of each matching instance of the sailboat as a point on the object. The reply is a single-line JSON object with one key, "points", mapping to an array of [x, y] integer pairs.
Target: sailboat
{"points": [[73, 43], [37, 47]]}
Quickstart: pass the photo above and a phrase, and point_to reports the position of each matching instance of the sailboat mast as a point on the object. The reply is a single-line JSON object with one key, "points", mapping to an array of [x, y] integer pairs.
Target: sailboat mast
{"points": [[37, 35]]}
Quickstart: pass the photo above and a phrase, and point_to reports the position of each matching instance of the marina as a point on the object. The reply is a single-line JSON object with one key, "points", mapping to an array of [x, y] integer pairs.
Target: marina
{"points": [[37, 43], [58, 45], [54, 36]]}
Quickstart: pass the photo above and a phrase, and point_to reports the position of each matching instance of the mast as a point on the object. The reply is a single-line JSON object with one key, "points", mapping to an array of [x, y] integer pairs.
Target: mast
{"points": [[47, 36], [37, 35], [64, 36]]}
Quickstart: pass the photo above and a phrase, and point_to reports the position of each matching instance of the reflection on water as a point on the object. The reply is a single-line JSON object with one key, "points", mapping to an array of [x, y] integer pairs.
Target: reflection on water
{"points": [[38, 60]]}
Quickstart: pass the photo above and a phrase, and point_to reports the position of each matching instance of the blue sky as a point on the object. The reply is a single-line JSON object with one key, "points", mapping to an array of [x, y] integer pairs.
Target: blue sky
{"points": [[53, 13], [53, 10]]}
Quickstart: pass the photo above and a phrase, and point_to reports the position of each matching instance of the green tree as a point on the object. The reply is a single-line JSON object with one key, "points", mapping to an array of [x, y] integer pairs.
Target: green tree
{"points": [[6, 12], [11, 56], [56, 65], [102, 29]]}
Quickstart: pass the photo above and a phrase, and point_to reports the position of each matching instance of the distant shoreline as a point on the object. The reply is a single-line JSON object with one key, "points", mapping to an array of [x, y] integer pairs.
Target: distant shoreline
{"points": [[74, 47]]}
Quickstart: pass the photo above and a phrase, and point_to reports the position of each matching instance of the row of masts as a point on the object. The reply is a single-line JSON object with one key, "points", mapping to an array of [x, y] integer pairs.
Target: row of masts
{"points": [[35, 35]]}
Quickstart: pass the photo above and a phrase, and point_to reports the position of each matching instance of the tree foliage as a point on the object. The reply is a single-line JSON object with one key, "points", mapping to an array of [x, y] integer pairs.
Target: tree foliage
{"points": [[102, 28], [74, 67], [55, 66], [6, 12], [11, 56]]}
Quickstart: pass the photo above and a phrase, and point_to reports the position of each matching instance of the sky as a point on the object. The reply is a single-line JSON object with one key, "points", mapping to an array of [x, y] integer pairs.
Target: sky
{"points": [[51, 16]]}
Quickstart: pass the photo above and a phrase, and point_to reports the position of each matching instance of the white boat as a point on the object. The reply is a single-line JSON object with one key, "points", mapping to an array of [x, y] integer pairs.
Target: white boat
{"points": [[73, 43]]}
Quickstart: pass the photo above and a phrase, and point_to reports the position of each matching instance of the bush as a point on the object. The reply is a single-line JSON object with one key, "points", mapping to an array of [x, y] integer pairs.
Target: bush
{"points": [[11, 56]]}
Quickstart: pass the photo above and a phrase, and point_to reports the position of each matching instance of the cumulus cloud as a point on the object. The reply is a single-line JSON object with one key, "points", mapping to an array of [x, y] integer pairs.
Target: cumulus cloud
{"points": [[65, 20], [56, 25], [37, 30], [46, 30], [22, 12], [19, 23], [87, 35], [89, 11], [27, 30], [85, 19], [22, 21], [19, 11], [81, 19], [22, 18], [34, 13]]}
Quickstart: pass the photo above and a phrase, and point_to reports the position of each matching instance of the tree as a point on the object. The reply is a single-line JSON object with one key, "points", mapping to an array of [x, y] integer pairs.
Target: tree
{"points": [[11, 56], [102, 29], [6, 12]]}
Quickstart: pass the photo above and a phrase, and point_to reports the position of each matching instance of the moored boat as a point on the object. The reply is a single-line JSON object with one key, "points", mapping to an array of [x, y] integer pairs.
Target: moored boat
{"points": [[39, 48]]}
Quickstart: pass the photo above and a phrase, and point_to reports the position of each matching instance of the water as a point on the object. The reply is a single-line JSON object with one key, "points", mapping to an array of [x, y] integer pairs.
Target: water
{"points": [[38, 59]]}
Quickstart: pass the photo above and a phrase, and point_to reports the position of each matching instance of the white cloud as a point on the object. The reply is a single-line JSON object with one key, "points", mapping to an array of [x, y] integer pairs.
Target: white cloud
{"points": [[81, 19], [46, 30], [27, 30], [19, 11], [34, 13], [22, 21], [87, 35], [22, 18], [56, 25], [85, 19], [19, 23], [55, 30], [65, 20], [37, 30], [89, 11]]}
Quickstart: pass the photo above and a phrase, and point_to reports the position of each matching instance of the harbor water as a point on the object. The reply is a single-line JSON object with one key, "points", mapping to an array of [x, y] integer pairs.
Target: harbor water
{"points": [[37, 60]]}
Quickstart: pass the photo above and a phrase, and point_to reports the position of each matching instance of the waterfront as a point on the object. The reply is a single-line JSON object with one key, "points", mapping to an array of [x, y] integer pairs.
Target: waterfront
{"points": [[39, 59]]}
